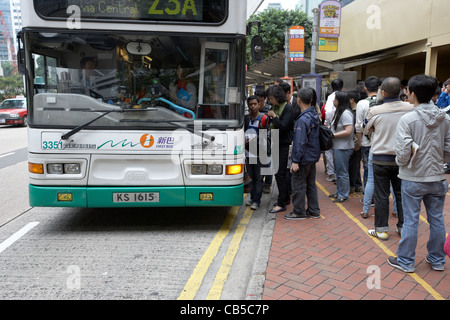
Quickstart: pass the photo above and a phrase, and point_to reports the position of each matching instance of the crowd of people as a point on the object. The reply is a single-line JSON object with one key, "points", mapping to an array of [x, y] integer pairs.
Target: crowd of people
{"points": [[398, 131]]}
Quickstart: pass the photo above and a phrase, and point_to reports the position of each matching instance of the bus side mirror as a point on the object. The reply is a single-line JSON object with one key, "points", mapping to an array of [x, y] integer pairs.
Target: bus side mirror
{"points": [[20, 55], [257, 49]]}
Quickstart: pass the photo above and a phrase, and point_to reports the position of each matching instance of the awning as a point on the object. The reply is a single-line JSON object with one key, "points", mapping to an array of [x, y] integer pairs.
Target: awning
{"points": [[273, 67]]}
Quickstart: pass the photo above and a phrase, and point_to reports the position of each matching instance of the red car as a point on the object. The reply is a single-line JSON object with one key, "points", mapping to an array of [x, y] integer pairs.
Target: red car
{"points": [[13, 111]]}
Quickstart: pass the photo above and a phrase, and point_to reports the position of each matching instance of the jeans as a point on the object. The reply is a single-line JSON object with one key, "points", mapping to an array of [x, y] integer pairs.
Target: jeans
{"points": [[281, 176], [369, 186], [328, 155], [304, 186], [433, 196], [254, 171], [365, 151], [341, 160], [354, 170], [385, 176]]}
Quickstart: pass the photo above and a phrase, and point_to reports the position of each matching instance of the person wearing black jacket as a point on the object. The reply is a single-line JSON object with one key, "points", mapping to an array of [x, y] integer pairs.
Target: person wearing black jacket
{"points": [[305, 154], [281, 118]]}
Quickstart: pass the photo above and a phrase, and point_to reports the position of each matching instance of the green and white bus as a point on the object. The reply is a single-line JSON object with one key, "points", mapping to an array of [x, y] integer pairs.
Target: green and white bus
{"points": [[134, 103]]}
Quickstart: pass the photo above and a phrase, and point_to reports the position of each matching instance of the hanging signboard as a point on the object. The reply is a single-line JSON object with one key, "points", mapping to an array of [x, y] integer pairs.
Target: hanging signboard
{"points": [[330, 19], [296, 44], [328, 44]]}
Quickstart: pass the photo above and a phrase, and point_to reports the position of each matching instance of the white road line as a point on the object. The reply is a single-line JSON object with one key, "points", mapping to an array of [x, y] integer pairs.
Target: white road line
{"points": [[6, 155], [16, 236]]}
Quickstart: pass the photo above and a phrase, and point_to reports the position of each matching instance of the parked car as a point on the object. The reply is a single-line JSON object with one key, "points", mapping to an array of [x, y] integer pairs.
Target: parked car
{"points": [[14, 111]]}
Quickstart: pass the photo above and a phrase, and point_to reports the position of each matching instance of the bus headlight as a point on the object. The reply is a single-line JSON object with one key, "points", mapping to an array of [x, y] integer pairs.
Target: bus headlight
{"points": [[215, 169], [63, 168], [55, 168], [198, 169], [209, 169], [72, 168]]}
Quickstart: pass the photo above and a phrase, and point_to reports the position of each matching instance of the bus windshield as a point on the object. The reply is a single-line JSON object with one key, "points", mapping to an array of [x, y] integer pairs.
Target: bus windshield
{"points": [[161, 78]]}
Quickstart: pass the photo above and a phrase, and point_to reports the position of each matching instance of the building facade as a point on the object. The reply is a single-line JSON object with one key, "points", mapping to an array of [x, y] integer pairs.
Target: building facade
{"points": [[399, 38]]}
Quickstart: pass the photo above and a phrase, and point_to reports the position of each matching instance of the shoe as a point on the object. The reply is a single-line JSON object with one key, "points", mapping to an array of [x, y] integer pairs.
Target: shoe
{"points": [[294, 216], [333, 196], [282, 209], [364, 215], [331, 178], [267, 188], [380, 235], [254, 206], [340, 200], [399, 231], [312, 216], [393, 262], [372, 203], [248, 202], [435, 266], [359, 190]]}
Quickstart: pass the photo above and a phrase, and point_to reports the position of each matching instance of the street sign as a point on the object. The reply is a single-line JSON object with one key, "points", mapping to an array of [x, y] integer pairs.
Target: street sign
{"points": [[330, 19], [296, 44], [328, 44]]}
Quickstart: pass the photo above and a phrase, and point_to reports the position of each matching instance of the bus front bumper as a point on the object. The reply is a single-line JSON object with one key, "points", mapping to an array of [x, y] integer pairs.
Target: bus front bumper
{"points": [[123, 197]]}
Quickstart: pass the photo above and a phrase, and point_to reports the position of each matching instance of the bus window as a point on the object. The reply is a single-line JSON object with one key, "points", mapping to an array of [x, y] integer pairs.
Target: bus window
{"points": [[179, 78]]}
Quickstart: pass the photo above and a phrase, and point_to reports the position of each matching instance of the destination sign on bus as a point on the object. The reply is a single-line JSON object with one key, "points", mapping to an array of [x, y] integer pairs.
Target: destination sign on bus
{"points": [[203, 11]]}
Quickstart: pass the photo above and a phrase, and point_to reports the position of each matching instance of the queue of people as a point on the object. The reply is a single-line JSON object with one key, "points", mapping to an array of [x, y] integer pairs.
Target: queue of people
{"points": [[399, 132]]}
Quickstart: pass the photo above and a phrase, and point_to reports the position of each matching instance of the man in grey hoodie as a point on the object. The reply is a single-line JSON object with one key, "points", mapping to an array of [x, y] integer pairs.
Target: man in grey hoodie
{"points": [[422, 146]]}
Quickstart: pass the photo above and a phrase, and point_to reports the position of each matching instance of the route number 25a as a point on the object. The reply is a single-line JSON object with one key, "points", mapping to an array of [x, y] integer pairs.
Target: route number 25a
{"points": [[173, 7]]}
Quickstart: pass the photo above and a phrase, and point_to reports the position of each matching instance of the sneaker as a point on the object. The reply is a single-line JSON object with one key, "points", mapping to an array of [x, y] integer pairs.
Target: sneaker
{"points": [[340, 200], [312, 216], [294, 216], [364, 215], [331, 178], [254, 206], [435, 266], [379, 235], [267, 188], [333, 196], [248, 202], [393, 262]]}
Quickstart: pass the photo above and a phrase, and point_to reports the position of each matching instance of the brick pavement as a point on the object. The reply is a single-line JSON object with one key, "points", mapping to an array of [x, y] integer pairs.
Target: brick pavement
{"points": [[333, 258]]}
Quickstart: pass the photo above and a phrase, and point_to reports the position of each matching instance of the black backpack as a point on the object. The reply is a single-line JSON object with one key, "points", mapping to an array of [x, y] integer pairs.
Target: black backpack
{"points": [[325, 138]]}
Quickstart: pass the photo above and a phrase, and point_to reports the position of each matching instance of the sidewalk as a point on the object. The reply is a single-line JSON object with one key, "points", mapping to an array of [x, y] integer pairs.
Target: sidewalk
{"points": [[333, 258]]}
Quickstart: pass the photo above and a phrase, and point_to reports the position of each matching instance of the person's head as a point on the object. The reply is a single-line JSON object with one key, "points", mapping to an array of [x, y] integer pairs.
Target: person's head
{"points": [[287, 89], [421, 89], [253, 104], [354, 97], [88, 63], [342, 103], [262, 95], [372, 84], [276, 95], [341, 100], [391, 87], [306, 97], [277, 81], [337, 84]]}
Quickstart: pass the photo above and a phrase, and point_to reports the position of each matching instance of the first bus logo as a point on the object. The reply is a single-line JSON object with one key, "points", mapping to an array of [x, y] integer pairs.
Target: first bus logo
{"points": [[147, 141]]}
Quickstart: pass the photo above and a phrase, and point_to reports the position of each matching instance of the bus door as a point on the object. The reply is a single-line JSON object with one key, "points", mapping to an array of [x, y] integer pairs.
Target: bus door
{"points": [[214, 80]]}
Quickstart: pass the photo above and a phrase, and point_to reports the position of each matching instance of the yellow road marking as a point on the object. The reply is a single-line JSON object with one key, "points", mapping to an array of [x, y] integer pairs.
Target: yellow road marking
{"points": [[216, 289], [418, 279], [196, 279]]}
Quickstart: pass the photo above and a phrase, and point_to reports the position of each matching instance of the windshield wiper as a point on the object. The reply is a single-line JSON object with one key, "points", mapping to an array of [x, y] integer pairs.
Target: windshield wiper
{"points": [[175, 123], [105, 112]]}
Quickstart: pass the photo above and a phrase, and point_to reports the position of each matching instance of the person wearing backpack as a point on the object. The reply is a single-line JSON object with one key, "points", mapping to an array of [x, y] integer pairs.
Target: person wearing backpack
{"points": [[305, 154], [252, 123]]}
